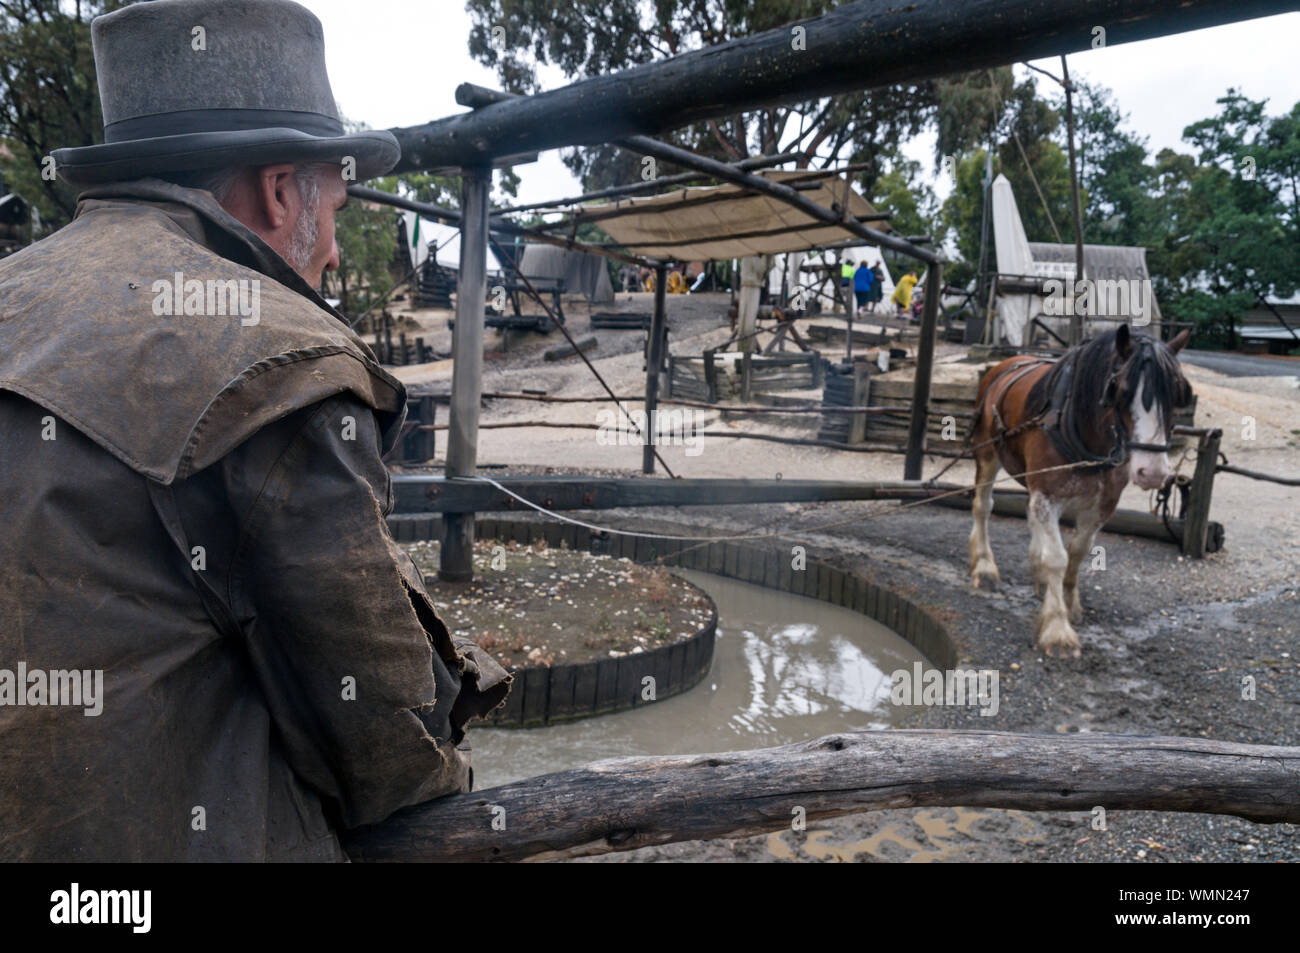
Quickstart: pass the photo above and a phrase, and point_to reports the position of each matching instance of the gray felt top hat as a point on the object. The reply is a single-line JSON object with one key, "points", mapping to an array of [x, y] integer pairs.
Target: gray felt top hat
{"points": [[204, 84]]}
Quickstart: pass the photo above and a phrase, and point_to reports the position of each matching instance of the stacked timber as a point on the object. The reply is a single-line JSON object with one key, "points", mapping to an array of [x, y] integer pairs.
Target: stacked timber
{"points": [[952, 402], [846, 386], [769, 373], [687, 380], [435, 286], [866, 333], [778, 372]]}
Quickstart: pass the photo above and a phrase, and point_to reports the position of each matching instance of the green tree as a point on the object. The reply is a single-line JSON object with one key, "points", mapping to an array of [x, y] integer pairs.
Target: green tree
{"points": [[1235, 214], [49, 97], [594, 37], [913, 206], [367, 240], [1023, 126], [1118, 182]]}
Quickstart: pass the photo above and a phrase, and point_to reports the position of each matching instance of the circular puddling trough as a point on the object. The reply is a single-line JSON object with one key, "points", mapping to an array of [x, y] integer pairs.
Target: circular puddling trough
{"points": [[545, 695]]}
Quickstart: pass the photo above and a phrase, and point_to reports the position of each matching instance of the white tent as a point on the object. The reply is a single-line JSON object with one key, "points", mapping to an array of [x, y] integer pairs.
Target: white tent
{"points": [[424, 235], [869, 253], [1014, 258]]}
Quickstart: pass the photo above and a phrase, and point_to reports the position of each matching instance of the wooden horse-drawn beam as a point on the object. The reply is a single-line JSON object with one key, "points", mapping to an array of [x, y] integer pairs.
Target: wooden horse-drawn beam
{"points": [[420, 493], [870, 43], [626, 803]]}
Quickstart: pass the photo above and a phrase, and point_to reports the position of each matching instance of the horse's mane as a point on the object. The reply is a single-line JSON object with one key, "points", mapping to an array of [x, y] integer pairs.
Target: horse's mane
{"points": [[1093, 363]]}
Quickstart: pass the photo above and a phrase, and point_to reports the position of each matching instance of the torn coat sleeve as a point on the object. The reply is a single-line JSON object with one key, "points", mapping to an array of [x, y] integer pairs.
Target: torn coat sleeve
{"points": [[364, 684]]}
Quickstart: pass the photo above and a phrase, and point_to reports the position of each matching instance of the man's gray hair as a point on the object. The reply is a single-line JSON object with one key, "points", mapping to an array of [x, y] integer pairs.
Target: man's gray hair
{"points": [[221, 182], [302, 241]]}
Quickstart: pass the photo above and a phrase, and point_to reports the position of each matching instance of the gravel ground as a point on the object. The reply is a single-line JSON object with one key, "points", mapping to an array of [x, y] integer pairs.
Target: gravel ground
{"points": [[1161, 655], [1166, 641]]}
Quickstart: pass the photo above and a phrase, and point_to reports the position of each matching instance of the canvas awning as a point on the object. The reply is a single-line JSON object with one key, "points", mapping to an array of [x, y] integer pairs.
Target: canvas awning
{"points": [[725, 221]]}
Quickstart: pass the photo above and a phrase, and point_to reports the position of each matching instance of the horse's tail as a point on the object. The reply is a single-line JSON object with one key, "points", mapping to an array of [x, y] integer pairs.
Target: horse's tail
{"points": [[981, 395]]}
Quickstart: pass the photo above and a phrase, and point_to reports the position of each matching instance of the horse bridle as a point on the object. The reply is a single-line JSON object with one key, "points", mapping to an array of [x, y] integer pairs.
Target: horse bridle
{"points": [[1111, 394]]}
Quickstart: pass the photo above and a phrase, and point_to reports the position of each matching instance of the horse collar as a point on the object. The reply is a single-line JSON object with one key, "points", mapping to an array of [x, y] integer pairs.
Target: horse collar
{"points": [[1061, 422]]}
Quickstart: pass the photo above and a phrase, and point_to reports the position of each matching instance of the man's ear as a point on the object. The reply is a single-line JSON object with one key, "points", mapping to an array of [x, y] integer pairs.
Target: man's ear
{"points": [[276, 191], [1180, 341], [1123, 341]]}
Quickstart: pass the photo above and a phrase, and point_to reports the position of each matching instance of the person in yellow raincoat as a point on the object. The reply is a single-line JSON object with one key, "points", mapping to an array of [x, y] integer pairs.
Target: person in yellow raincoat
{"points": [[903, 291]]}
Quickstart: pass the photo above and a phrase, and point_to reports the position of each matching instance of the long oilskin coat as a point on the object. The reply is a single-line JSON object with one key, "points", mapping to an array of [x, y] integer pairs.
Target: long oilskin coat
{"points": [[195, 506]]}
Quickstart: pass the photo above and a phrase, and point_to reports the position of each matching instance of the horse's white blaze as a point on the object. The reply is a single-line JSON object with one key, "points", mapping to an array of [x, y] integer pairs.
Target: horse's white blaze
{"points": [[1147, 469]]}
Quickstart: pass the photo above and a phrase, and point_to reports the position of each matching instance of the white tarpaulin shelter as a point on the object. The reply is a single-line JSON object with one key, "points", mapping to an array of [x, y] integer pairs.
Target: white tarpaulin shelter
{"points": [[582, 273], [1019, 257], [721, 222]]}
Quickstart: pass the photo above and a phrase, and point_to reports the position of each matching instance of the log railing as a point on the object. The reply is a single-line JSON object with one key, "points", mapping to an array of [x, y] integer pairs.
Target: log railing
{"points": [[626, 803]]}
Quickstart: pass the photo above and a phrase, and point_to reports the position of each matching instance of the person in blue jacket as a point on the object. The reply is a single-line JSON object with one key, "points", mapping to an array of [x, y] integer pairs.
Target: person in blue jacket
{"points": [[862, 281]]}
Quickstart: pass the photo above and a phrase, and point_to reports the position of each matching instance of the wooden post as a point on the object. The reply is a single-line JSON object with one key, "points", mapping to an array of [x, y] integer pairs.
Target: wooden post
{"points": [[654, 359], [924, 371], [861, 390], [428, 442], [850, 302], [1198, 503], [456, 559], [388, 338], [1076, 319]]}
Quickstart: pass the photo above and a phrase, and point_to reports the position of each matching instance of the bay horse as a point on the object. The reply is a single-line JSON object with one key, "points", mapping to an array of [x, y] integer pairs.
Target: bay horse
{"points": [[1106, 406]]}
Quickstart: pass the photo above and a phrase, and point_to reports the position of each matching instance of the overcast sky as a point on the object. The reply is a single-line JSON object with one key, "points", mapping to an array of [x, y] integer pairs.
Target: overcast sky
{"points": [[398, 62]]}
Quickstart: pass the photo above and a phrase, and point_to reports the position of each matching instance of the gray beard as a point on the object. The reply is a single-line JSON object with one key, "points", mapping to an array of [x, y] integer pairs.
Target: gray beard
{"points": [[305, 231]]}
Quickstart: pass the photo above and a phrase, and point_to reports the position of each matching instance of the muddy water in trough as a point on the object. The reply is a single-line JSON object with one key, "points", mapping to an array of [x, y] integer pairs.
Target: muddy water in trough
{"points": [[786, 668]]}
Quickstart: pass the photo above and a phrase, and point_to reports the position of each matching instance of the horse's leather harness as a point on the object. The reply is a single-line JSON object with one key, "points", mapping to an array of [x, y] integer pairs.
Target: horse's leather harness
{"points": [[1059, 419]]}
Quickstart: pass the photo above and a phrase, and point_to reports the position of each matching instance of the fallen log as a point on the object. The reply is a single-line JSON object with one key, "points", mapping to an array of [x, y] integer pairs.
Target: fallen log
{"points": [[626, 803], [561, 351], [1124, 522]]}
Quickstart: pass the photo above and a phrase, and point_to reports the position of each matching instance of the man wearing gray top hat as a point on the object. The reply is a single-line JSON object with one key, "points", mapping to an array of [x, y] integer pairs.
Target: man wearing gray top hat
{"points": [[210, 646]]}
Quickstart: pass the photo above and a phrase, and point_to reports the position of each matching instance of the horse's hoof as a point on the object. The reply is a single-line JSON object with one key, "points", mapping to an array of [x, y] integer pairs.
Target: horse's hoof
{"points": [[985, 576], [1057, 639]]}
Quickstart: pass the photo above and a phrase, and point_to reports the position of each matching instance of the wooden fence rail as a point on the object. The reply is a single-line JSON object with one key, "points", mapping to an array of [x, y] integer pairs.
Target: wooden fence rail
{"points": [[626, 803]]}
